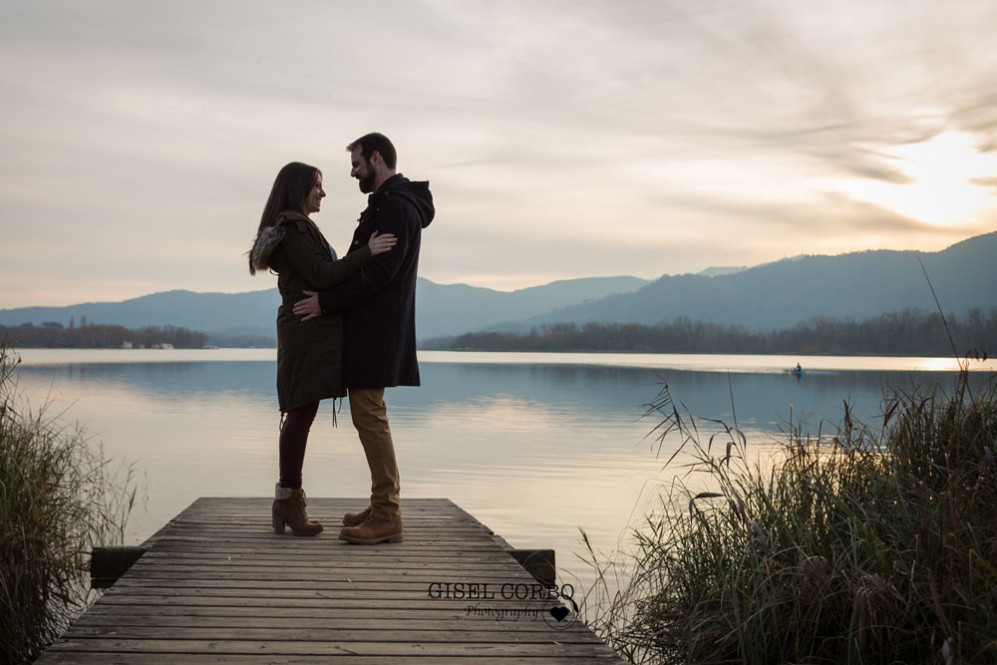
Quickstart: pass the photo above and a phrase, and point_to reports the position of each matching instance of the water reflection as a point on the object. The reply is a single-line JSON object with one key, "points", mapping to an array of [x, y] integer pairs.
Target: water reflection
{"points": [[536, 451], [588, 391]]}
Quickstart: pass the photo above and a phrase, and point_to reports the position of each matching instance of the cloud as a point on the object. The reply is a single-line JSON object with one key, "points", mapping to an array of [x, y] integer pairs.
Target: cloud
{"points": [[562, 138]]}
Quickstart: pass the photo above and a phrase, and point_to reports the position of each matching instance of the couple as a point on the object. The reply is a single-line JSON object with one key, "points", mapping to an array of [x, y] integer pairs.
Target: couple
{"points": [[345, 326]]}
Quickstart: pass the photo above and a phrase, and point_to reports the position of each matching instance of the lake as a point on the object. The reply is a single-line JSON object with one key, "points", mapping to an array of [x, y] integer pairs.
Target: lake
{"points": [[536, 446]]}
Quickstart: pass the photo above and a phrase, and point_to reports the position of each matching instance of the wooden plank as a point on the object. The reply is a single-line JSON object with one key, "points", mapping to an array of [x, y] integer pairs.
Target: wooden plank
{"points": [[281, 647], [217, 586], [104, 658], [107, 564], [425, 620], [294, 633], [376, 615]]}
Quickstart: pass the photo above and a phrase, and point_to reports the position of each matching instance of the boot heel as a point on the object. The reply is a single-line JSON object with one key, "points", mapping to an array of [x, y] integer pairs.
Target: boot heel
{"points": [[278, 525]]}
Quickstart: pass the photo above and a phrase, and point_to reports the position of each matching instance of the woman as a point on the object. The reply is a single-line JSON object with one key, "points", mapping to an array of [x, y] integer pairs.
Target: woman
{"points": [[309, 353]]}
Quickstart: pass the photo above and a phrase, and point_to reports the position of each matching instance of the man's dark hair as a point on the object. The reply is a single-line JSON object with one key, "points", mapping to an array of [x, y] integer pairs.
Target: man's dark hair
{"points": [[375, 142]]}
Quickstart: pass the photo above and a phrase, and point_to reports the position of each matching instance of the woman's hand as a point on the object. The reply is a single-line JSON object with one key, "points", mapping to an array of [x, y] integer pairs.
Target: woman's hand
{"points": [[381, 244]]}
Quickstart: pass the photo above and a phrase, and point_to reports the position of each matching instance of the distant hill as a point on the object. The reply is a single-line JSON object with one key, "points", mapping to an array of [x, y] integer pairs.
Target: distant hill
{"points": [[443, 309], [854, 286], [450, 309], [776, 295], [217, 314], [725, 270]]}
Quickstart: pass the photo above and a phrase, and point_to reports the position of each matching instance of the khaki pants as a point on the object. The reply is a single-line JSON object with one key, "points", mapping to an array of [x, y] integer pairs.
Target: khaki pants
{"points": [[370, 417]]}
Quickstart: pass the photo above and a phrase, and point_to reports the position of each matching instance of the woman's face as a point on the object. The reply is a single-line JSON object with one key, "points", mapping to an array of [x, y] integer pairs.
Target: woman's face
{"points": [[313, 202]]}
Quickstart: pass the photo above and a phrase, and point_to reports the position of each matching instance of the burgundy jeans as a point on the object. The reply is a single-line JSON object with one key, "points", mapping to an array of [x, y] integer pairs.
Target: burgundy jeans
{"points": [[293, 439]]}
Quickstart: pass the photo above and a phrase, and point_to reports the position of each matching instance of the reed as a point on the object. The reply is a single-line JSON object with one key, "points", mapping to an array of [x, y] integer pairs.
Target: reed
{"points": [[862, 544], [59, 497]]}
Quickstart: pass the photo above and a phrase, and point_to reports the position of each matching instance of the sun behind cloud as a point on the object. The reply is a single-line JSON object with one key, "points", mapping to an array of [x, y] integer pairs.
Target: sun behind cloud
{"points": [[946, 182]]}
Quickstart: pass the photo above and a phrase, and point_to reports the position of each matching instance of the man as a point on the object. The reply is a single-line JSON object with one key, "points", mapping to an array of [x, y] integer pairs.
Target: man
{"points": [[378, 306]]}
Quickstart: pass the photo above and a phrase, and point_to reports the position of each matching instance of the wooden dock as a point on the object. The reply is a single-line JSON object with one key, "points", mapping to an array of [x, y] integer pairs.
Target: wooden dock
{"points": [[217, 586]]}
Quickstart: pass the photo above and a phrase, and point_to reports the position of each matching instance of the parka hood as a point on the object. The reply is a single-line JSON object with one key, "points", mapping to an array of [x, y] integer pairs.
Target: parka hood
{"points": [[415, 192]]}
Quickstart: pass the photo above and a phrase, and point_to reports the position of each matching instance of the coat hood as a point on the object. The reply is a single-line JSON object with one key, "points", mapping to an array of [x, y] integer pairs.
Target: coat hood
{"points": [[415, 192], [269, 239]]}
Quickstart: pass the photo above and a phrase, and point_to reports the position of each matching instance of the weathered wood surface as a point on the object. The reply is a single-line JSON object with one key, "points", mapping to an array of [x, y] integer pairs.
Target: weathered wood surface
{"points": [[217, 586]]}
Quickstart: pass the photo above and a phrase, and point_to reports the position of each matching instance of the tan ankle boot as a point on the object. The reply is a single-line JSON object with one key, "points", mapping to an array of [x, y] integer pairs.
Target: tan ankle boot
{"points": [[372, 531], [356, 519], [289, 510]]}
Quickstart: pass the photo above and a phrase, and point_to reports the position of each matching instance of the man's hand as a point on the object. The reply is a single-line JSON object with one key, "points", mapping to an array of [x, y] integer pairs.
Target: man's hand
{"points": [[309, 307]]}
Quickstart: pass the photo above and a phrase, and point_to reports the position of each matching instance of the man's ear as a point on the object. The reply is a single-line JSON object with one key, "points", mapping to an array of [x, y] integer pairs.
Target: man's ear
{"points": [[375, 158]]}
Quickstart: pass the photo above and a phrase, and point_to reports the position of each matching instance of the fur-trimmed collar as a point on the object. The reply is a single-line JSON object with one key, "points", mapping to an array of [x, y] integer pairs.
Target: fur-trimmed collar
{"points": [[269, 239]]}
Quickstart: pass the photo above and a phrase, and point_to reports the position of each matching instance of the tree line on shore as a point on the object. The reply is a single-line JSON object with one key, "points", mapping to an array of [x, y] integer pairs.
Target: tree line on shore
{"points": [[906, 332], [100, 336]]}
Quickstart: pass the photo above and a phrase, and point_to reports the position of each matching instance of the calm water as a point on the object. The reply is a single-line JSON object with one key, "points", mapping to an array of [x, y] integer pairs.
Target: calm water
{"points": [[537, 446]]}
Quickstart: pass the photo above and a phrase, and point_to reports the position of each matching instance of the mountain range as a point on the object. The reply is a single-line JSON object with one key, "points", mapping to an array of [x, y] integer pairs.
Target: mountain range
{"points": [[776, 295], [853, 286]]}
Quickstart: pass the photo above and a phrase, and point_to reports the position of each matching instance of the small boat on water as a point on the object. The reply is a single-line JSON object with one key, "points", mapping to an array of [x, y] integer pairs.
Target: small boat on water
{"points": [[797, 371]]}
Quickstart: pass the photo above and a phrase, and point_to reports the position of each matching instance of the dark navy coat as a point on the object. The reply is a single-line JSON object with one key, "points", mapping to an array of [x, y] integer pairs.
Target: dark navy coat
{"points": [[378, 303]]}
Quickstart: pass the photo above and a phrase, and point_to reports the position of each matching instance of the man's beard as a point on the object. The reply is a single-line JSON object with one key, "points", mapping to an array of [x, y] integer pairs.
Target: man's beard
{"points": [[367, 182]]}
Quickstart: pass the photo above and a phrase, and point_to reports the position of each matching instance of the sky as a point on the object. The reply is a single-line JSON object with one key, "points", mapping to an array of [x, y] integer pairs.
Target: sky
{"points": [[561, 139]]}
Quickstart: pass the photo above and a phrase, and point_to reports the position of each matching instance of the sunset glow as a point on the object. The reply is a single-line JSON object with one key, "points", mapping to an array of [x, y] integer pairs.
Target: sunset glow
{"points": [[946, 181]]}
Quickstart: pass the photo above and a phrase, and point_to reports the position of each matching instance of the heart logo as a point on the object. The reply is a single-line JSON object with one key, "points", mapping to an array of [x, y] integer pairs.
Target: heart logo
{"points": [[559, 613]]}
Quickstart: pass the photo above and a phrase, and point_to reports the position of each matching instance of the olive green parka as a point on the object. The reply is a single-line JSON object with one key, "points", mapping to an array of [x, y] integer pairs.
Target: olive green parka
{"points": [[309, 353]]}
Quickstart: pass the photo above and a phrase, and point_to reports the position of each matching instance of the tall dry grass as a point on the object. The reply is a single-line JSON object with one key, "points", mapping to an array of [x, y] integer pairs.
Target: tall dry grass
{"points": [[865, 544], [59, 497]]}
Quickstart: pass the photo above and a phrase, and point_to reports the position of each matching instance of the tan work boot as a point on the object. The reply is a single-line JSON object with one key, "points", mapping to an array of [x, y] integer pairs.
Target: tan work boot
{"points": [[289, 510], [372, 531], [356, 519]]}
